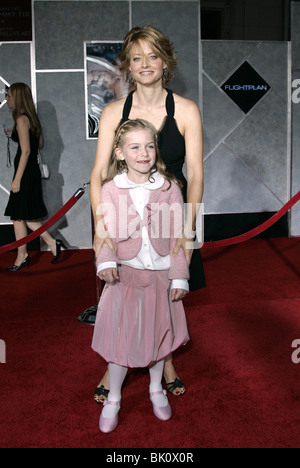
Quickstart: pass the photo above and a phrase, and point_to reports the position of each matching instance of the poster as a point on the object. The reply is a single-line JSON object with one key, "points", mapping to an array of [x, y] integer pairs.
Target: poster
{"points": [[104, 82]]}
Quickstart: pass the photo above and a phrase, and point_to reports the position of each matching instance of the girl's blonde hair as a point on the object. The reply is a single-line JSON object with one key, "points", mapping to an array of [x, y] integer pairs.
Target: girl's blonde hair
{"points": [[23, 104], [160, 45], [118, 167]]}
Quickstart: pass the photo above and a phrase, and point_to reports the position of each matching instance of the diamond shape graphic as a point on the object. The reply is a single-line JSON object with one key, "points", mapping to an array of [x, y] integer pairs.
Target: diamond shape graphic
{"points": [[246, 87]]}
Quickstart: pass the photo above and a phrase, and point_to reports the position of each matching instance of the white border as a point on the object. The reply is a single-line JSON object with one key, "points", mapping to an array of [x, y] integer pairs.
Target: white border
{"points": [[7, 84]]}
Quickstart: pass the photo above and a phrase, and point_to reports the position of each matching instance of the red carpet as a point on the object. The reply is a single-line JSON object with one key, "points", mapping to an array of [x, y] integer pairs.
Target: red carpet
{"points": [[243, 390]]}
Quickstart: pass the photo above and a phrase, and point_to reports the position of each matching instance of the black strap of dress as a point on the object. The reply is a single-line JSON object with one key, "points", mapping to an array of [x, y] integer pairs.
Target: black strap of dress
{"points": [[127, 107]]}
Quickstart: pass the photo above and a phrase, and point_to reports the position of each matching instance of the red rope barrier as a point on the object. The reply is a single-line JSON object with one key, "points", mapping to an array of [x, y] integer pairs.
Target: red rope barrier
{"points": [[77, 195], [212, 244], [258, 230]]}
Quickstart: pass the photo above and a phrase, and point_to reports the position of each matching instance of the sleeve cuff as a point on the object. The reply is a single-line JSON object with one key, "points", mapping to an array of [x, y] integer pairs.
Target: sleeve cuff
{"points": [[104, 265], [180, 284]]}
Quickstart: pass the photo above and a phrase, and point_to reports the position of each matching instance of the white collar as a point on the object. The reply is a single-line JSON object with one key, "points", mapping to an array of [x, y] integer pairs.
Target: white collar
{"points": [[122, 181]]}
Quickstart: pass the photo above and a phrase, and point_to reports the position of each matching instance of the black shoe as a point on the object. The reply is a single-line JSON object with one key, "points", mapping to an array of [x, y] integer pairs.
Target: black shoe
{"points": [[101, 392], [59, 245], [25, 262]]}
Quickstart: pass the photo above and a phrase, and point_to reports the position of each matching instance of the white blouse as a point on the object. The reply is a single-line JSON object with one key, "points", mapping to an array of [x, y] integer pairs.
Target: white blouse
{"points": [[147, 258]]}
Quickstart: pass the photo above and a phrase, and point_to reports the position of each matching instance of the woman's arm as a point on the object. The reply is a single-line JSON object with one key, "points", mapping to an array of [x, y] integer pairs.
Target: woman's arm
{"points": [[179, 284], [109, 120], [194, 165], [190, 124], [22, 126], [41, 141]]}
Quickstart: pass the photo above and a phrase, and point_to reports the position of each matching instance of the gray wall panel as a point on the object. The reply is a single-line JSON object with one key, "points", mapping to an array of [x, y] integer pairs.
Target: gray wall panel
{"points": [[222, 58], [6, 174], [67, 152], [258, 140], [246, 155], [220, 116], [15, 62], [261, 148], [270, 60], [295, 218], [295, 22], [15, 66], [231, 187], [180, 22], [62, 27]]}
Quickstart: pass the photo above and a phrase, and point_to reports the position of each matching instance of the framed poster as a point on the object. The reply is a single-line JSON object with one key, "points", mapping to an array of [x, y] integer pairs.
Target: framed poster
{"points": [[104, 82], [3, 91]]}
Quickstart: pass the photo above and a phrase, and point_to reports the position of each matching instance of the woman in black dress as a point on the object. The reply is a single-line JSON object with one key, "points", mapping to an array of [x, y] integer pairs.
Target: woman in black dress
{"points": [[148, 60], [25, 205]]}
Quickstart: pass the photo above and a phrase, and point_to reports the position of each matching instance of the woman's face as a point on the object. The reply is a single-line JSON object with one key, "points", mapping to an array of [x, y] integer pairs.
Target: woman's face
{"points": [[146, 67], [10, 99]]}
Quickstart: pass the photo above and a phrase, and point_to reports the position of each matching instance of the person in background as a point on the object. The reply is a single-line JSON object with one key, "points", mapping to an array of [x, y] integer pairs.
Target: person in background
{"points": [[25, 205]]}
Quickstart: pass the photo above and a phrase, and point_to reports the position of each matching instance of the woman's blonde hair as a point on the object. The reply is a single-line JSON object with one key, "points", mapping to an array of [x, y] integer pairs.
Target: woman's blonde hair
{"points": [[118, 167], [23, 104], [158, 42]]}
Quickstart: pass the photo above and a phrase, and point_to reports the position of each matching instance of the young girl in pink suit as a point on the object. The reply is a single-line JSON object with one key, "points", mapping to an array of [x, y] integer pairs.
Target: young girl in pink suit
{"points": [[140, 318]]}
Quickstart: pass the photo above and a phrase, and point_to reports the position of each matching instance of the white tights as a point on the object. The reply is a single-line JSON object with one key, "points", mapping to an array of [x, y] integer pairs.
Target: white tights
{"points": [[117, 375]]}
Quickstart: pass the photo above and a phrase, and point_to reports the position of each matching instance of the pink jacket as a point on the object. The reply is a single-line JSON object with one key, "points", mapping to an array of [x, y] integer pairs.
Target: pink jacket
{"points": [[163, 217]]}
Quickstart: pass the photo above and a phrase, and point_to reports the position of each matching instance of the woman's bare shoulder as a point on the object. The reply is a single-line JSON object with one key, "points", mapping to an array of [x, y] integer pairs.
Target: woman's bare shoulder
{"points": [[185, 105], [187, 114], [22, 119], [113, 111]]}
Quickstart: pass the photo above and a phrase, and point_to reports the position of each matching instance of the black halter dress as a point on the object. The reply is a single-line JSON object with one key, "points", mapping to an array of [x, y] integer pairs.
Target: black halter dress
{"points": [[172, 149], [28, 203]]}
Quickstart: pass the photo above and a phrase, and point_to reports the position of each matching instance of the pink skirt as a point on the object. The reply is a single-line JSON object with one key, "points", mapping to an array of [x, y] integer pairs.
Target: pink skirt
{"points": [[136, 323]]}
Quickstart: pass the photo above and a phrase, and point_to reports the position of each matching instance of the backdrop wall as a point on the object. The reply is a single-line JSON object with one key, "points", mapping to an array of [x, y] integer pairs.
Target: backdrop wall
{"points": [[295, 135], [248, 165]]}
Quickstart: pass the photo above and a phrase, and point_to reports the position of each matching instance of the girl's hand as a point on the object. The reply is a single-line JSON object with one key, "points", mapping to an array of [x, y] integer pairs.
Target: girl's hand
{"points": [[178, 294], [186, 244], [109, 275], [15, 186]]}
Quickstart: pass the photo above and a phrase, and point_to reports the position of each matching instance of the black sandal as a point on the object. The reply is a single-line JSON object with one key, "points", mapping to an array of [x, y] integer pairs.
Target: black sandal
{"points": [[101, 391], [173, 385]]}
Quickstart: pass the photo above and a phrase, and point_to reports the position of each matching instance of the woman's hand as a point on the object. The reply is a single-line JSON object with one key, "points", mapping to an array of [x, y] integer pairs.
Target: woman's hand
{"points": [[186, 244], [7, 132], [109, 275], [15, 186], [178, 294]]}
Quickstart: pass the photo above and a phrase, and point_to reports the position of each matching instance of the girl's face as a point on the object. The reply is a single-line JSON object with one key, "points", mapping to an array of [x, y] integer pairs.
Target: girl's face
{"points": [[9, 99], [146, 67], [138, 151]]}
